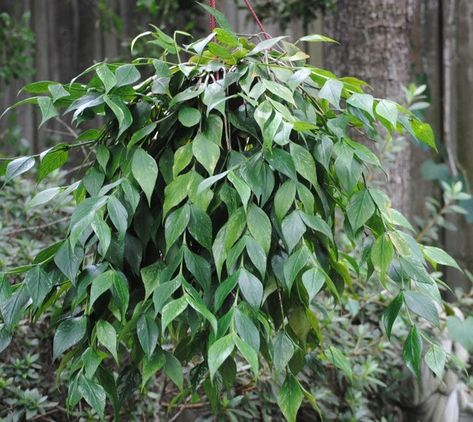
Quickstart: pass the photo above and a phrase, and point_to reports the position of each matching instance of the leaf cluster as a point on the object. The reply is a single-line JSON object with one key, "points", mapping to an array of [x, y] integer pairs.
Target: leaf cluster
{"points": [[204, 229]]}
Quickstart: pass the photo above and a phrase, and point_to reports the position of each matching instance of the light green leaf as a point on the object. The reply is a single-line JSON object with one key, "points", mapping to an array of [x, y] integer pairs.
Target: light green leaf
{"points": [[189, 116], [106, 76], [94, 394], [282, 351], [107, 337], [332, 91], [248, 353], [388, 111], [313, 281], [422, 305], [48, 111], [145, 171], [18, 167], [206, 152], [172, 310], [118, 214], [251, 288], [293, 228], [219, 351], [176, 223], [316, 38], [339, 360], [121, 112], [363, 102], [259, 226], [382, 253], [304, 162], [435, 358], [126, 75], [412, 351], [439, 256], [360, 209]]}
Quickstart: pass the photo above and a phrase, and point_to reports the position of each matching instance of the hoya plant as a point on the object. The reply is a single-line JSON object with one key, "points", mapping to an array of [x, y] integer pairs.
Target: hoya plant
{"points": [[203, 229]]}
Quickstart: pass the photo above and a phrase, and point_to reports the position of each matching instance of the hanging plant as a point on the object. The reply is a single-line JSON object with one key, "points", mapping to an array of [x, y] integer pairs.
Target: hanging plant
{"points": [[203, 228]]}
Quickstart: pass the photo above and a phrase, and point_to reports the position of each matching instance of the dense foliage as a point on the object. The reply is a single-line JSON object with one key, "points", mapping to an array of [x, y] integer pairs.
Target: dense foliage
{"points": [[204, 226]]}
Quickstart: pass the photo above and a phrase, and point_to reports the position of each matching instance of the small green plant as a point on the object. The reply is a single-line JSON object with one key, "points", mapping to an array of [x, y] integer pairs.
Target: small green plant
{"points": [[204, 227]]}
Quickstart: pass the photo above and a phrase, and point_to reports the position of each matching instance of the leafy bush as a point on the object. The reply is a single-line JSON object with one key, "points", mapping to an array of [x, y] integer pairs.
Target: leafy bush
{"points": [[204, 229]]}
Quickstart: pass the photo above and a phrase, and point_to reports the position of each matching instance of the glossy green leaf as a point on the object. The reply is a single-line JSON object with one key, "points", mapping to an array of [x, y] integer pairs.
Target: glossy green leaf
{"points": [[145, 171], [290, 398], [148, 334], [250, 287], [219, 351], [69, 332], [412, 351], [107, 337], [360, 209]]}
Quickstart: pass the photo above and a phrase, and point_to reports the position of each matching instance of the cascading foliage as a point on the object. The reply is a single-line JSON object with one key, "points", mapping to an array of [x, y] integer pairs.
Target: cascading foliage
{"points": [[204, 225]]}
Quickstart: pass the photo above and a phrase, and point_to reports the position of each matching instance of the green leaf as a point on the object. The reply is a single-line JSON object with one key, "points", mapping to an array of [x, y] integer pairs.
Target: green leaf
{"points": [[290, 398], [106, 76], [304, 162], [293, 265], [145, 171], [199, 306], [189, 116], [284, 199], [176, 224], [224, 289], [51, 161], [363, 102], [206, 152], [200, 227], [316, 223], [412, 351], [278, 89], [118, 214], [94, 394], [316, 38], [107, 337], [121, 112], [439, 256], [256, 255], [332, 91], [17, 167], [69, 260], [313, 281], [101, 284], [259, 226], [126, 75], [57, 92], [13, 307], [391, 313], [172, 310], [382, 253], [69, 332], [48, 111], [199, 267], [282, 161], [282, 351], [103, 233], [435, 358], [360, 209], [388, 111], [246, 329], [266, 45], [163, 292], [424, 133], [148, 334], [219, 351], [141, 133], [152, 365], [173, 369], [293, 228], [242, 188], [339, 360], [422, 305], [38, 284], [250, 287], [248, 353], [43, 197], [219, 17]]}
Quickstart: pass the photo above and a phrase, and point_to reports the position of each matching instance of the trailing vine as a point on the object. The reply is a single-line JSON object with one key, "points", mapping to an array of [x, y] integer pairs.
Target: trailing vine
{"points": [[203, 229]]}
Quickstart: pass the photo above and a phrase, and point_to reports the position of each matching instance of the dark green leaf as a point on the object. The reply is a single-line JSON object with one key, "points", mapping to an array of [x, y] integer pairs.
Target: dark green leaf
{"points": [[412, 351], [391, 313], [68, 334], [148, 334], [360, 209], [250, 287], [107, 337], [290, 398], [219, 351]]}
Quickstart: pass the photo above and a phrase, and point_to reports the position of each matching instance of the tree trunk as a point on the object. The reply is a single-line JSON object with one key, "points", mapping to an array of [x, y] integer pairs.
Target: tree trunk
{"points": [[374, 46]]}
